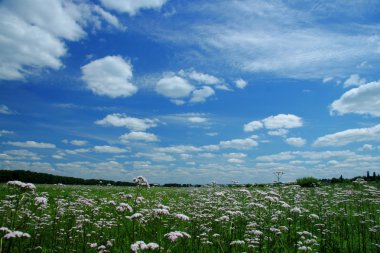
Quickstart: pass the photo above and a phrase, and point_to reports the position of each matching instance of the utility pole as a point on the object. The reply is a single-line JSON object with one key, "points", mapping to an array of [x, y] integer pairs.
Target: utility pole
{"points": [[278, 175]]}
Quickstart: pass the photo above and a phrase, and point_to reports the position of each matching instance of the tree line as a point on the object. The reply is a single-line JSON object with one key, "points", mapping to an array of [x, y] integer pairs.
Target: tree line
{"points": [[45, 178]]}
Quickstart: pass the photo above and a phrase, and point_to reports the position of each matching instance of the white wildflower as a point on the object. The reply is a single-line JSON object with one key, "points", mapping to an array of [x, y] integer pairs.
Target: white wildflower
{"points": [[181, 217], [237, 242], [14, 234], [40, 200], [141, 181], [173, 236], [124, 206]]}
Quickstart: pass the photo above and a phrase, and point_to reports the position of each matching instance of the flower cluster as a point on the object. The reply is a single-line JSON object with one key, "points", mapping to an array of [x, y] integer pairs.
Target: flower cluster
{"points": [[22, 186], [174, 236], [141, 181], [140, 245]]}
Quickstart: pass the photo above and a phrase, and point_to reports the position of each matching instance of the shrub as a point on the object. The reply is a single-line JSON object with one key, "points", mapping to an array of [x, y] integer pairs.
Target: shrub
{"points": [[308, 181]]}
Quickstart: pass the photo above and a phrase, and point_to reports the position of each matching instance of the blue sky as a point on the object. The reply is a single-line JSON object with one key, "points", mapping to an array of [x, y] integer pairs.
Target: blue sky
{"points": [[190, 91]]}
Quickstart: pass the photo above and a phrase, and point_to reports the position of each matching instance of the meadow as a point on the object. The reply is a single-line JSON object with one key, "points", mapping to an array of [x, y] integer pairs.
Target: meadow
{"points": [[273, 218]]}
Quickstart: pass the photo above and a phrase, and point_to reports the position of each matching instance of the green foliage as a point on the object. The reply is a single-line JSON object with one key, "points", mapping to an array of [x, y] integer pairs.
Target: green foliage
{"points": [[308, 182], [282, 218]]}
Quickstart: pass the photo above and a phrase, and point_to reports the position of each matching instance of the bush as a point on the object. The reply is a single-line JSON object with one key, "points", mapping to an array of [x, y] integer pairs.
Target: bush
{"points": [[308, 182]]}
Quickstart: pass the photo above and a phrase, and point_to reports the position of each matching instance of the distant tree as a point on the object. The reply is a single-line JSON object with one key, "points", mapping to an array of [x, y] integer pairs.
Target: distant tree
{"points": [[308, 182]]}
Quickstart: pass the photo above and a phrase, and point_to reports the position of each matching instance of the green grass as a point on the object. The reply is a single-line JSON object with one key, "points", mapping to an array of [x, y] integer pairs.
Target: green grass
{"points": [[344, 218]]}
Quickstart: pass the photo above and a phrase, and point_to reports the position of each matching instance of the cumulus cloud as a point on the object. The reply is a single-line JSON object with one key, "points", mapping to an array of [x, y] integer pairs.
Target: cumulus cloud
{"points": [[132, 6], [36, 32], [361, 100], [282, 121], [366, 147], [109, 76], [253, 125], [139, 136], [313, 155], [21, 154], [349, 136], [75, 142], [240, 83], [109, 149], [235, 155], [30, 144], [235, 160], [354, 80], [78, 142], [197, 119], [174, 87], [5, 110], [157, 156], [296, 141], [279, 132], [5, 132], [238, 144], [201, 95], [203, 78], [122, 120]]}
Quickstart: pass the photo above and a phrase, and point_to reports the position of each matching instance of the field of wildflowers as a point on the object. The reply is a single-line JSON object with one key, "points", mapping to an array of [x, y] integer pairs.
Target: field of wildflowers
{"points": [[275, 218]]}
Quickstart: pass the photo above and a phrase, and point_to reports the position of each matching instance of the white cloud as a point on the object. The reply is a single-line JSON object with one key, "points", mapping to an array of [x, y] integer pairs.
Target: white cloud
{"points": [[278, 37], [207, 155], [354, 80], [327, 79], [366, 147], [280, 122], [36, 32], [30, 144], [109, 149], [109, 76], [75, 142], [235, 155], [174, 87], [178, 149], [283, 121], [349, 136], [5, 110], [252, 126], [361, 100], [235, 160], [178, 101], [139, 136], [198, 119], [5, 132], [75, 151], [132, 6], [21, 154], [111, 19], [26, 45], [203, 78], [200, 95], [185, 156], [312, 155], [296, 141], [279, 132], [158, 157], [122, 120], [78, 142], [238, 144], [240, 83]]}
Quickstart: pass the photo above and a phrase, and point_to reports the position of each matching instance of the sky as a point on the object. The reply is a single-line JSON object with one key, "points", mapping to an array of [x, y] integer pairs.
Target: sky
{"points": [[190, 91]]}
